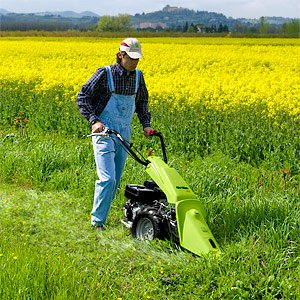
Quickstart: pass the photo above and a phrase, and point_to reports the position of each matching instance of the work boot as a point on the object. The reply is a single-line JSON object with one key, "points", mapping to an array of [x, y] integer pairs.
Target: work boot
{"points": [[98, 227]]}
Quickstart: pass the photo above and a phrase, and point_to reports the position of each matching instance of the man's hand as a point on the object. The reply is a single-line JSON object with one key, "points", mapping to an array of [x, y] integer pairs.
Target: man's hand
{"points": [[147, 132], [98, 127]]}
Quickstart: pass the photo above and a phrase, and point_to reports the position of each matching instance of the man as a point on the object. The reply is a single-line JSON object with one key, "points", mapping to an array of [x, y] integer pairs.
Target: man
{"points": [[110, 98]]}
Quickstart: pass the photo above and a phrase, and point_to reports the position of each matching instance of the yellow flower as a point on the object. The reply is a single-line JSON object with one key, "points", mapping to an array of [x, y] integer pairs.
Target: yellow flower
{"points": [[1, 254], [15, 257], [159, 262], [220, 74]]}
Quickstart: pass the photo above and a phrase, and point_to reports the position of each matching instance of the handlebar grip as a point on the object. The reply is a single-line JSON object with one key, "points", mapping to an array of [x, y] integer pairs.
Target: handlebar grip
{"points": [[153, 132]]}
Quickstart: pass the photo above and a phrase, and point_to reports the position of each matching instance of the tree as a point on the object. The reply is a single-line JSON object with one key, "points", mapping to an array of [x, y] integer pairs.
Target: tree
{"points": [[292, 28], [115, 24], [237, 27], [185, 27], [192, 28], [284, 27], [123, 22], [222, 28], [262, 25], [178, 28], [225, 28], [105, 23]]}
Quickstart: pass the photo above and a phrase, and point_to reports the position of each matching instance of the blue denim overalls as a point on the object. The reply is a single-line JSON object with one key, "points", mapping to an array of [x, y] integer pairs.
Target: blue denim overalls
{"points": [[109, 155]]}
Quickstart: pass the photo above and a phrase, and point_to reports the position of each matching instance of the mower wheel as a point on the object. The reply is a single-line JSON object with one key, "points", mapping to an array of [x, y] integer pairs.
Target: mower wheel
{"points": [[147, 225], [173, 233]]}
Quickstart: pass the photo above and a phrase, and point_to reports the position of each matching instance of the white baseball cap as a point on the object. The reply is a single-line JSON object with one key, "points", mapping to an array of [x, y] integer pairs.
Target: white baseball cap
{"points": [[132, 47]]}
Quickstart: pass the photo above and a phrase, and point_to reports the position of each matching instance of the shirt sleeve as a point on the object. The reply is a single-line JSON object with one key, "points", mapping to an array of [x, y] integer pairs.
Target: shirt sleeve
{"points": [[88, 97], [142, 104]]}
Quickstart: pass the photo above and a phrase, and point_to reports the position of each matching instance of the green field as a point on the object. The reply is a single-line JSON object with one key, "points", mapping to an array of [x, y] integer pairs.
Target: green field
{"points": [[243, 167]]}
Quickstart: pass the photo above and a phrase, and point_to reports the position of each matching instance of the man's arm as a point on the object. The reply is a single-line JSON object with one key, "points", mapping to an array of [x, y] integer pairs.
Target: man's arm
{"points": [[142, 107], [88, 94]]}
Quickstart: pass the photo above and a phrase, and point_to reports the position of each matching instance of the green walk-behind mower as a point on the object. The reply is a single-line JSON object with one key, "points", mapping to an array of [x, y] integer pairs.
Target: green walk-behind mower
{"points": [[164, 207]]}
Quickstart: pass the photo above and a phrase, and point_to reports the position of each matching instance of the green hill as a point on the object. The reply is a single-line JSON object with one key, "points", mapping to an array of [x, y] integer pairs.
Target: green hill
{"points": [[174, 16], [167, 17]]}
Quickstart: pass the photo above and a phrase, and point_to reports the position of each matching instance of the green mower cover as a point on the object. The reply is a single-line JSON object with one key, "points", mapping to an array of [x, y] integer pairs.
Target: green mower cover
{"points": [[194, 233]]}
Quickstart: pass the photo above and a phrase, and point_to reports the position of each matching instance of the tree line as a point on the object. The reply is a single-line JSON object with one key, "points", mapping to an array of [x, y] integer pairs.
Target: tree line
{"points": [[291, 29], [122, 23], [25, 22]]}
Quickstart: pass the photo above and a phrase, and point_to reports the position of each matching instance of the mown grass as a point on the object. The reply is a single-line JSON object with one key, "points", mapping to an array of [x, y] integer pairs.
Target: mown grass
{"points": [[48, 249], [243, 167]]}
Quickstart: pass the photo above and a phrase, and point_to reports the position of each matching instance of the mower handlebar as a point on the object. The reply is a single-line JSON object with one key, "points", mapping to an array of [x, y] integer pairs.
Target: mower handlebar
{"points": [[108, 132], [162, 142], [153, 132]]}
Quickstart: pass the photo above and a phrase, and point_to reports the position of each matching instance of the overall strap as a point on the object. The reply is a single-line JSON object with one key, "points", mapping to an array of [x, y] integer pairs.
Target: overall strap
{"points": [[137, 81], [110, 79]]}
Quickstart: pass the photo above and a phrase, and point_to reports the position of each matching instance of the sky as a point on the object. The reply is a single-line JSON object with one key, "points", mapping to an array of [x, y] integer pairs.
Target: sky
{"points": [[230, 8]]}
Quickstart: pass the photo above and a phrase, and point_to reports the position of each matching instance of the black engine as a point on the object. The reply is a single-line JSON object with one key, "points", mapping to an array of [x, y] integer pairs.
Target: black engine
{"points": [[148, 214]]}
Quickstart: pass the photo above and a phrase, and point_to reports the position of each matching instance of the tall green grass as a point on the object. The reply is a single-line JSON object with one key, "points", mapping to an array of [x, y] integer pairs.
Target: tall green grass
{"points": [[243, 134], [243, 167]]}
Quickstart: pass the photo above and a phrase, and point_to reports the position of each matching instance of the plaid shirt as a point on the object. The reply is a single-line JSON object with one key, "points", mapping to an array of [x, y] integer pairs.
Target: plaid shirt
{"points": [[94, 95]]}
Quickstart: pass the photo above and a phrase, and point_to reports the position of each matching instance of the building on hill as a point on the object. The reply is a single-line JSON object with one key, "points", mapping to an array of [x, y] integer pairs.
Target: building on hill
{"points": [[147, 25], [205, 29], [169, 8], [153, 25]]}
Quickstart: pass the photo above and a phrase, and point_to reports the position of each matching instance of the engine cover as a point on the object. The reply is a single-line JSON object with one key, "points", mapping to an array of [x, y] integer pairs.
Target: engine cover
{"points": [[143, 194]]}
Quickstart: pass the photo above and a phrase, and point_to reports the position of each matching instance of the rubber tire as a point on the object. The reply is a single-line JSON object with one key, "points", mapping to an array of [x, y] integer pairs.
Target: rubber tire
{"points": [[174, 236], [147, 218]]}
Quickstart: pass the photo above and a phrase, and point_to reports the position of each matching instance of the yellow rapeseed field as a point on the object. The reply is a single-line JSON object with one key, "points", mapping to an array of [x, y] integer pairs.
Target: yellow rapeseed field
{"points": [[219, 73]]}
